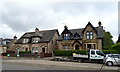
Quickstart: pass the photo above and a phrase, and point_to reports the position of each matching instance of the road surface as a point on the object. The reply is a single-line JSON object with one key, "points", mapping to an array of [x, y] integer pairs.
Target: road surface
{"points": [[52, 65], [20, 67]]}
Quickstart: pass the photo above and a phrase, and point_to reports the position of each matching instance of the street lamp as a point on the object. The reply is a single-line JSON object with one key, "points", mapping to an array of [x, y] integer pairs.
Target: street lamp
{"points": [[18, 52]]}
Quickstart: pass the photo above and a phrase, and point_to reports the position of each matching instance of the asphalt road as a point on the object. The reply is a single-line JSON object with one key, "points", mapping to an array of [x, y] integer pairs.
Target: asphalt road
{"points": [[51, 65], [20, 67]]}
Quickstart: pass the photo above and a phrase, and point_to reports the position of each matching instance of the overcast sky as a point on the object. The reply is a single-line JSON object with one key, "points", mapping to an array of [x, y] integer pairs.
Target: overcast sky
{"points": [[20, 16]]}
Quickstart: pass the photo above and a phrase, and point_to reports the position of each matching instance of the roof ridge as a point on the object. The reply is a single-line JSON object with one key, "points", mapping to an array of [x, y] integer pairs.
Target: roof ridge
{"points": [[43, 30]]}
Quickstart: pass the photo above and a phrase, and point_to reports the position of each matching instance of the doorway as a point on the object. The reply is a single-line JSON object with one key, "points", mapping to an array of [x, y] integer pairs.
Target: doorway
{"points": [[77, 47], [26, 49], [43, 50], [89, 46]]}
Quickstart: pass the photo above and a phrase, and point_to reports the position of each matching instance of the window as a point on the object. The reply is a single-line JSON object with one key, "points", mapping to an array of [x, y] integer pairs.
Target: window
{"points": [[25, 40], [100, 53], [115, 56], [89, 35], [36, 49], [76, 35], [66, 36], [33, 50], [35, 40], [23, 49], [4, 42], [93, 52], [66, 47]]}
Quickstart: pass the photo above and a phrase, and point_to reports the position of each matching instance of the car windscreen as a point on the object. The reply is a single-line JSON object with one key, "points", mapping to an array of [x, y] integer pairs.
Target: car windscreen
{"points": [[100, 53]]}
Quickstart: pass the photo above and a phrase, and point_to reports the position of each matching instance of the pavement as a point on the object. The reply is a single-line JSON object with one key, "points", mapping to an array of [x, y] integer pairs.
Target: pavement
{"points": [[62, 65], [25, 58]]}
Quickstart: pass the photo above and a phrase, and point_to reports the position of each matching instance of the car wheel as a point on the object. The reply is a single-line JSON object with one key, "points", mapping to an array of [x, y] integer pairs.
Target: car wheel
{"points": [[56, 59], [59, 59], [80, 60], [109, 63]]}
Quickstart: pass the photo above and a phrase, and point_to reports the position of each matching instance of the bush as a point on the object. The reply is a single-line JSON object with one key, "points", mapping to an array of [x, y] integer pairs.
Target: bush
{"points": [[10, 51], [68, 52], [81, 52], [24, 52], [63, 52], [110, 51], [116, 47]]}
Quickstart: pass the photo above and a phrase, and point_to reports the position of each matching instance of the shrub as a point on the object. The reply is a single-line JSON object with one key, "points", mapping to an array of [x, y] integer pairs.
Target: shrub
{"points": [[116, 47], [81, 51], [68, 52], [110, 51], [63, 52], [24, 52]]}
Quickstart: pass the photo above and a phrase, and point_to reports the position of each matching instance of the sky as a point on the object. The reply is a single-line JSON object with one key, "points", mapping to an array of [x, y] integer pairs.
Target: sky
{"points": [[20, 16]]}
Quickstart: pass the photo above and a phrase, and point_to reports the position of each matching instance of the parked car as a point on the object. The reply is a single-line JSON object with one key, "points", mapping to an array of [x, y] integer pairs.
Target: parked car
{"points": [[112, 59]]}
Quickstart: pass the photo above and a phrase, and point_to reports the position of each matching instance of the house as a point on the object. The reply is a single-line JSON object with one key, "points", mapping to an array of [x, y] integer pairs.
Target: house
{"points": [[38, 41], [4, 44], [11, 44], [89, 37]]}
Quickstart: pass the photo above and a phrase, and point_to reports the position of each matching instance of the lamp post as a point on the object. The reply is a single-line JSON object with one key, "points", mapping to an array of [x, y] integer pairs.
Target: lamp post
{"points": [[18, 52]]}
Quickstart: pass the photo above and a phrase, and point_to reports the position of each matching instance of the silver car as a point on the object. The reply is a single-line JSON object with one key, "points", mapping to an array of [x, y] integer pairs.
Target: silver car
{"points": [[112, 59]]}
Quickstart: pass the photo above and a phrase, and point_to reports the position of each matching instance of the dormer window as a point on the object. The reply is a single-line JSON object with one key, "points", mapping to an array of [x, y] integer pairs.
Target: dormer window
{"points": [[66, 36], [89, 35], [25, 40], [35, 40], [76, 35]]}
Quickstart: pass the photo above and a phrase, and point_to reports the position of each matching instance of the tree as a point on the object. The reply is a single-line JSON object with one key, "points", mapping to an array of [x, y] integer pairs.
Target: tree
{"points": [[107, 40], [116, 47]]}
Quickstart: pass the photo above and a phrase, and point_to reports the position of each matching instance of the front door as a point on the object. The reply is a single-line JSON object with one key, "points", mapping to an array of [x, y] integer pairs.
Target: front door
{"points": [[43, 50], [77, 47], [26, 49]]}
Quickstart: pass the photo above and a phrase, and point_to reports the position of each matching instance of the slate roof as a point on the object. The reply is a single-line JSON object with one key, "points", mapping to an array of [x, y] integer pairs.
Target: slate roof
{"points": [[99, 31], [45, 36]]}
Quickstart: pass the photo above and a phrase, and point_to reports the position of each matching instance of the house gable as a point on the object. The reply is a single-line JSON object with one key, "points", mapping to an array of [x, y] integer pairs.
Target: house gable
{"points": [[89, 27]]}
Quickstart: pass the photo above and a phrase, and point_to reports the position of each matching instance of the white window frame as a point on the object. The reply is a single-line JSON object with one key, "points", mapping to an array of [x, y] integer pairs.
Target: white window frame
{"points": [[25, 40], [35, 40]]}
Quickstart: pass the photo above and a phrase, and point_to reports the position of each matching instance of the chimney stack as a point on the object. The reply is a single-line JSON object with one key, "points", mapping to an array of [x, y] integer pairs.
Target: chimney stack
{"points": [[15, 38], [36, 30], [99, 23], [65, 27]]}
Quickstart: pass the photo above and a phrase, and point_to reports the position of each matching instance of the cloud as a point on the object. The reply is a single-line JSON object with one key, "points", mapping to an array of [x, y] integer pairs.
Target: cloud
{"points": [[20, 16]]}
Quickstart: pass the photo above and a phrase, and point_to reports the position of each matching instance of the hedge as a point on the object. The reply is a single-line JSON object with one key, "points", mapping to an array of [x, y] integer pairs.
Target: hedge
{"points": [[116, 47], [24, 52], [69, 52], [110, 51]]}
